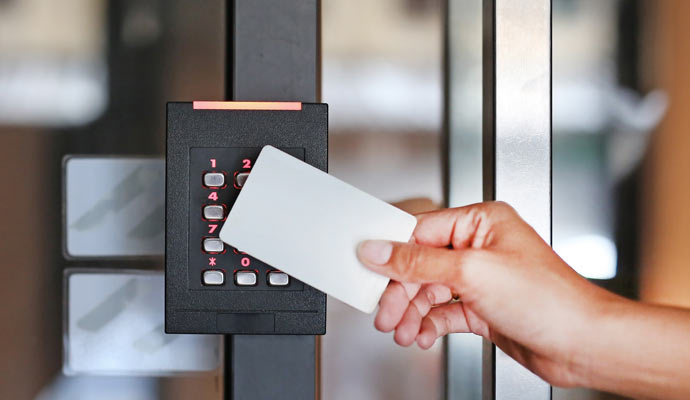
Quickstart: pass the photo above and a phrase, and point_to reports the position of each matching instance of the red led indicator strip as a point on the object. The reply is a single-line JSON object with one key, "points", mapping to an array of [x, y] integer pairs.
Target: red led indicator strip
{"points": [[248, 105]]}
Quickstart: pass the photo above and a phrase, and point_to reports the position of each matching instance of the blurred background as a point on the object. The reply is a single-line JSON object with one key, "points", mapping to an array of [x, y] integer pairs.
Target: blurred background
{"points": [[92, 77]]}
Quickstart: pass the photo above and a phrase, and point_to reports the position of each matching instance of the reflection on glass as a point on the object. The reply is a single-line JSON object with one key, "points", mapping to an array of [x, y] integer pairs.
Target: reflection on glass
{"points": [[382, 80], [602, 118], [600, 130], [115, 327], [52, 62], [91, 77]]}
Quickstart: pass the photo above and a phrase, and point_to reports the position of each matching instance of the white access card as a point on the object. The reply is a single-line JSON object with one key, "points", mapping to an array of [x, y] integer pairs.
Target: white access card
{"points": [[308, 224]]}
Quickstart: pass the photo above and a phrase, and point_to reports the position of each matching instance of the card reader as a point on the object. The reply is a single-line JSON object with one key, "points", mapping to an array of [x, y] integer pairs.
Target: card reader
{"points": [[211, 287]]}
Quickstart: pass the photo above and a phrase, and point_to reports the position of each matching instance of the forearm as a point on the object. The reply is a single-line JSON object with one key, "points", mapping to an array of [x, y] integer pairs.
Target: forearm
{"points": [[638, 350]]}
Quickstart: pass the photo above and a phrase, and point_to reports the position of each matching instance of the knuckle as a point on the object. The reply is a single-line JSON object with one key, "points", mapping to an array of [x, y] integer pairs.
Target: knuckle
{"points": [[481, 214], [442, 323], [498, 207], [501, 205], [465, 274], [430, 296], [503, 209], [447, 324]]}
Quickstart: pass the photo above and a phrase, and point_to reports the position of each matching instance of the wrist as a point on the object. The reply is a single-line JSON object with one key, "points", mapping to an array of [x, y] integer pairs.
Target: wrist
{"points": [[597, 337]]}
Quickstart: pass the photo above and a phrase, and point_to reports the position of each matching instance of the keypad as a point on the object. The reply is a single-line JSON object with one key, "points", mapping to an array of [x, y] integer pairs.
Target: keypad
{"points": [[245, 278], [215, 265], [277, 278], [214, 179], [240, 179], [213, 245], [214, 212], [214, 277]]}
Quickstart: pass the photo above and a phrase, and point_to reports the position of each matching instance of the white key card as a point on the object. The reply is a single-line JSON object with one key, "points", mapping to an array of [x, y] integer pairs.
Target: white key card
{"points": [[307, 223]]}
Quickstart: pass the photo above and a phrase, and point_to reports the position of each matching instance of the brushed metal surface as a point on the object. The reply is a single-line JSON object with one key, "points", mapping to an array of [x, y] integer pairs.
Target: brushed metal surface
{"points": [[517, 145]]}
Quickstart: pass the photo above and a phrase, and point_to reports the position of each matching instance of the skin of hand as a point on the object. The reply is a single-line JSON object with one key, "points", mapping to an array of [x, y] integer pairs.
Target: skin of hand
{"points": [[515, 291], [416, 205]]}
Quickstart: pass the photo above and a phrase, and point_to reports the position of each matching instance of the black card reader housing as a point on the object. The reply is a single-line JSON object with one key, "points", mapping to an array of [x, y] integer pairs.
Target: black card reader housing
{"points": [[211, 287]]}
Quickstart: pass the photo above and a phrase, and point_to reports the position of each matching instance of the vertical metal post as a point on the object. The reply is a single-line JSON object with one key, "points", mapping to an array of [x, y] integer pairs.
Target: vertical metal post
{"points": [[273, 53], [463, 171], [517, 146]]}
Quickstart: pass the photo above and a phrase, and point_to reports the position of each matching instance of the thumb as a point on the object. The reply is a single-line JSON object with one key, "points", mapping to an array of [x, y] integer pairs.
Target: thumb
{"points": [[412, 263]]}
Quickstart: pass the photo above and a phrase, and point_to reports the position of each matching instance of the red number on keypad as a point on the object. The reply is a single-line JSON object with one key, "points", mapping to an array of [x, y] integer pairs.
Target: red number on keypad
{"points": [[213, 163], [246, 163], [213, 196], [212, 228], [245, 261]]}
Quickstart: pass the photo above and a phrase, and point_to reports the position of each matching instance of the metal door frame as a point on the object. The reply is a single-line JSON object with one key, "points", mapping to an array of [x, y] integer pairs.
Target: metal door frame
{"points": [[516, 164], [273, 54]]}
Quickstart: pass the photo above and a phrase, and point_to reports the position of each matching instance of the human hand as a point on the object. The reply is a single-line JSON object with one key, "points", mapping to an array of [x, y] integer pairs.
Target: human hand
{"points": [[513, 289], [416, 205]]}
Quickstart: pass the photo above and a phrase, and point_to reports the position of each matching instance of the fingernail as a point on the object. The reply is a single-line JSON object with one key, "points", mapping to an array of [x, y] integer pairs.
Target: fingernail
{"points": [[376, 252]]}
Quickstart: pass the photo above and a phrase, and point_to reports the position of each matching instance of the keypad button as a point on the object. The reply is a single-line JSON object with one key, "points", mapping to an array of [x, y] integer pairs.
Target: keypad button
{"points": [[214, 179], [213, 245], [214, 277], [241, 178], [245, 278], [214, 212], [277, 278]]}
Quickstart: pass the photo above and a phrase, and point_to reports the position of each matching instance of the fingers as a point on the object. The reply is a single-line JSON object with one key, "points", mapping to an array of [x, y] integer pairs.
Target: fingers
{"points": [[441, 321], [430, 295], [427, 262], [417, 319], [406, 331], [413, 263], [417, 205], [469, 226], [448, 227], [393, 304]]}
